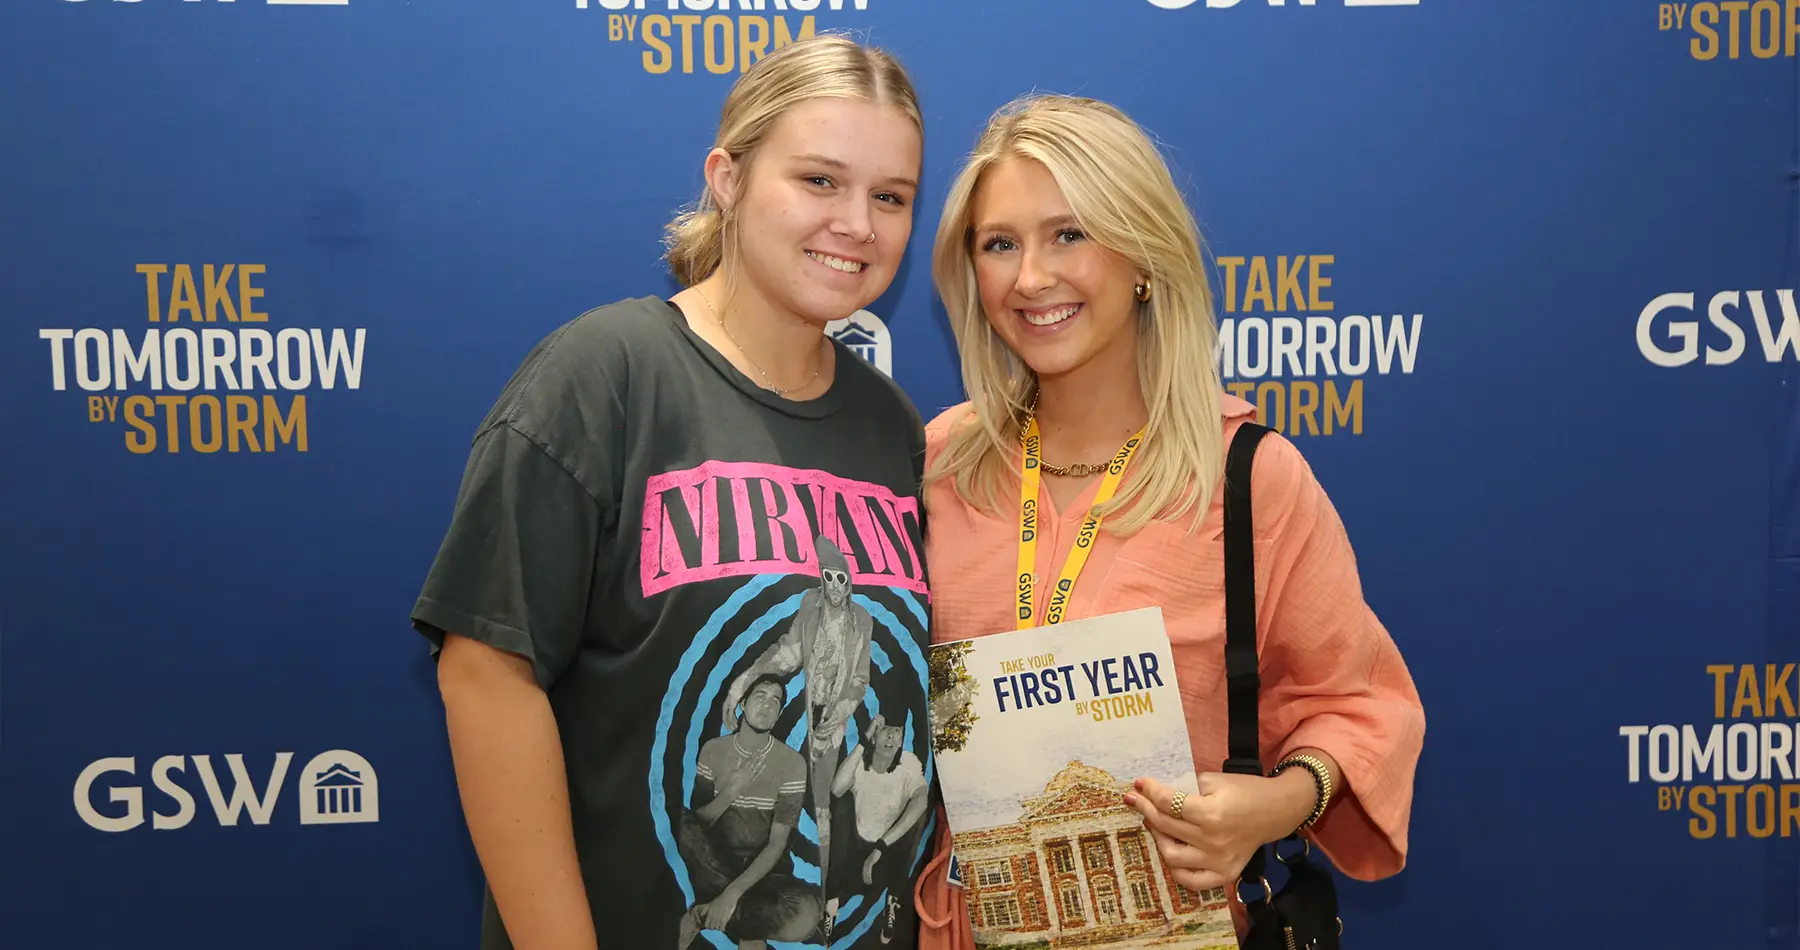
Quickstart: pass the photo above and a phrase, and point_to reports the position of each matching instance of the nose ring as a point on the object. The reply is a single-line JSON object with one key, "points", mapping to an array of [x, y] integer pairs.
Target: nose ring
{"points": [[870, 239]]}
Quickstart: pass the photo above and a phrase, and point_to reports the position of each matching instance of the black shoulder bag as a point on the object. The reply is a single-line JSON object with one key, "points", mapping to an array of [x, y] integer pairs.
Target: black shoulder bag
{"points": [[1303, 914]]}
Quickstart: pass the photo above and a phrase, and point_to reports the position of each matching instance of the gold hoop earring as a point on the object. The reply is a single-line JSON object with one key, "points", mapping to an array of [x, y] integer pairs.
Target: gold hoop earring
{"points": [[1142, 291]]}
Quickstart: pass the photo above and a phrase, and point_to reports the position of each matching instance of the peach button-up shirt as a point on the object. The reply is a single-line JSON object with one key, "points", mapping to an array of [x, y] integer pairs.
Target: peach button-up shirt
{"points": [[1331, 676]]}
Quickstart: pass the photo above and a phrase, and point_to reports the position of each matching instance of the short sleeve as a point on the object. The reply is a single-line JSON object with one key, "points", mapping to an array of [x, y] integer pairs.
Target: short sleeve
{"points": [[1333, 678], [915, 774], [705, 784], [790, 795], [515, 568]]}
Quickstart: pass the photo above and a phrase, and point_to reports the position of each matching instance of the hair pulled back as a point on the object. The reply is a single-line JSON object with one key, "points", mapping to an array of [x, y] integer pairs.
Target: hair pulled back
{"points": [[826, 66]]}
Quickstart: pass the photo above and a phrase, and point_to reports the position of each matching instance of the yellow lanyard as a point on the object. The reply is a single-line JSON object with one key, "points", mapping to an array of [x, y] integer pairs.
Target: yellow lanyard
{"points": [[1030, 476]]}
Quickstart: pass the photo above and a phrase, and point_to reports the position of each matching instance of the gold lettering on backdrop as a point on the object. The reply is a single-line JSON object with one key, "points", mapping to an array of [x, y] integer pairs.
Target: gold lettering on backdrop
{"points": [[717, 44]]}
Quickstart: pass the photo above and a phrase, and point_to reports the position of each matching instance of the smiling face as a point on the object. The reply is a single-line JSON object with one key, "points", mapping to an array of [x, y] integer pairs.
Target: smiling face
{"points": [[1060, 300], [831, 174]]}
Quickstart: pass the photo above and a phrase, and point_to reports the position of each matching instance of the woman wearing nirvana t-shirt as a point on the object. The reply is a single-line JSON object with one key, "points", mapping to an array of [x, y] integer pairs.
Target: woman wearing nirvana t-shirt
{"points": [[683, 574]]}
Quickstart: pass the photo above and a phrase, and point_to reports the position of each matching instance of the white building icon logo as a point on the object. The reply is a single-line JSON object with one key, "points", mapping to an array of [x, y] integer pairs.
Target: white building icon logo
{"points": [[866, 336], [339, 787]]}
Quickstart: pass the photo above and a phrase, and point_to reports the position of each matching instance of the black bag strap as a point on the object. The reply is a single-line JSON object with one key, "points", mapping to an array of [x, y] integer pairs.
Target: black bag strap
{"points": [[1242, 683]]}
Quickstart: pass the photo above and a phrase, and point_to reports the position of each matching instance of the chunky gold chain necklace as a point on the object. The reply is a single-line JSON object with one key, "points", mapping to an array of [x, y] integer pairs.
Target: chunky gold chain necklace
{"points": [[1077, 470], [817, 368]]}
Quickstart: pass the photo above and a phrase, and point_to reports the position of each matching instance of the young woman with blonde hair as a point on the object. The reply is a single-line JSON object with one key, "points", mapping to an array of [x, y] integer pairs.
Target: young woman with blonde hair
{"points": [[1073, 275], [682, 575]]}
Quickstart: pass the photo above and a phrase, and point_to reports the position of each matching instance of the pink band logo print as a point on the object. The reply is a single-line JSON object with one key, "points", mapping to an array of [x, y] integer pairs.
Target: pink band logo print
{"points": [[735, 519]]}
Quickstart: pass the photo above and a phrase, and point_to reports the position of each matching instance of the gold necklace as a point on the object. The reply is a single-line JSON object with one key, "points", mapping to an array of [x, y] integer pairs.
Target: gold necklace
{"points": [[817, 369], [1077, 470]]}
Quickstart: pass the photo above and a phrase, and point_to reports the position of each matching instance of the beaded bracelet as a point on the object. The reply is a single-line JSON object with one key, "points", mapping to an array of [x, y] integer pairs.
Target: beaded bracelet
{"points": [[1321, 778]]}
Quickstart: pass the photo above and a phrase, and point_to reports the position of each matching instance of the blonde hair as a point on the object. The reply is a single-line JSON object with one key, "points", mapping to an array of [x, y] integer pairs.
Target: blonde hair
{"points": [[826, 66], [1125, 199]]}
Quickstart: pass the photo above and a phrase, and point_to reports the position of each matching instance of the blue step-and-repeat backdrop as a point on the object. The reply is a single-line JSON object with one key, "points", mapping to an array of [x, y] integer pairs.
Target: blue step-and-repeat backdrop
{"points": [[1518, 276]]}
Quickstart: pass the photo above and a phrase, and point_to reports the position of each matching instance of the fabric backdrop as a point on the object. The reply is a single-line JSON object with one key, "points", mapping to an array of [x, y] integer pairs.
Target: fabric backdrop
{"points": [[1518, 278]]}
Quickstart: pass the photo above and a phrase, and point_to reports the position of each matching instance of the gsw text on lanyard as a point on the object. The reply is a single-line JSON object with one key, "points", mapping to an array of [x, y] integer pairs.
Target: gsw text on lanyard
{"points": [[1030, 475]]}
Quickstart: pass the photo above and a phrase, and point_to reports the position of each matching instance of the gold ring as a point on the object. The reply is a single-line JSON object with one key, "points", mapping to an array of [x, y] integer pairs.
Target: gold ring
{"points": [[1175, 805]]}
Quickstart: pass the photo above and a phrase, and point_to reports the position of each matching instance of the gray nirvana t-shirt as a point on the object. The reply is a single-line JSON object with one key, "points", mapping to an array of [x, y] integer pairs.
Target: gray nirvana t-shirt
{"points": [[724, 595]]}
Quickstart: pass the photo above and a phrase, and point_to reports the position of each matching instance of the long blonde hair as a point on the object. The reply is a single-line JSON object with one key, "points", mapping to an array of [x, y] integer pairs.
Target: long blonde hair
{"points": [[826, 66], [1124, 198]]}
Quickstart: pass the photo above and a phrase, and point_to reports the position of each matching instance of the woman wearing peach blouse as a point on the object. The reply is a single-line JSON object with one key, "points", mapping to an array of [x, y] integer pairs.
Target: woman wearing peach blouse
{"points": [[1072, 273]]}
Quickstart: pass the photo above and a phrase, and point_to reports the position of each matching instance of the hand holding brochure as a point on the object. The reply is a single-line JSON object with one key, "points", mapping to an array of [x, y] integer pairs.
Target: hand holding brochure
{"points": [[1037, 736]]}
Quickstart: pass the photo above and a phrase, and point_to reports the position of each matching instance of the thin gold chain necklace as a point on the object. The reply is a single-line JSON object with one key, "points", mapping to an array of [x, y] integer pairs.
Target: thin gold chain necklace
{"points": [[817, 369]]}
